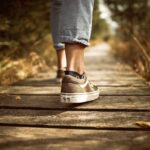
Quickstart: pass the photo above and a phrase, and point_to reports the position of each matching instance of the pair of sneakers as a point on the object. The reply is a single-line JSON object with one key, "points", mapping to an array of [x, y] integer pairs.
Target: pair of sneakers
{"points": [[76, 88]]}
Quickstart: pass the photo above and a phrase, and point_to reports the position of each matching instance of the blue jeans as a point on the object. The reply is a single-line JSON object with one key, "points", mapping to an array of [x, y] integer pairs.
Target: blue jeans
{"points": [[71, 21]]}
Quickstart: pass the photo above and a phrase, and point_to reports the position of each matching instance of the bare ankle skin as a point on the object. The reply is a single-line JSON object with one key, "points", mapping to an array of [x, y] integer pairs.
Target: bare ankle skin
{"points": [[75, 57], [61, 59]]}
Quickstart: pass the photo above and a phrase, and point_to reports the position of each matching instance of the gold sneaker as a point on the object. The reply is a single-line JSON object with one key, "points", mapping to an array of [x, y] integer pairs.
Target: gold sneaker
{"points": [[75, 90]]}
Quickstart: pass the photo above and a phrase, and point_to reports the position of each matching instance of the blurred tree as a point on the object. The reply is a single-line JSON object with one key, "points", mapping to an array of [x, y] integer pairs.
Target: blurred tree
{"points": [[24, 36], [133, 18], [100, 27], [20, 24], [131, 15]]}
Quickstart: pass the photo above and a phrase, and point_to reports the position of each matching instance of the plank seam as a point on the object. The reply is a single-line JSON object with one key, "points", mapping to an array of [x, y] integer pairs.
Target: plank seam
{"points": [[78, 109], [76, 127]]}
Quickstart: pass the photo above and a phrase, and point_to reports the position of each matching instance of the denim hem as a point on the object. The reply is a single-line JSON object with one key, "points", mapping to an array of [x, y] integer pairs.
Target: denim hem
{"points": [[68, 39], [59, 46]]}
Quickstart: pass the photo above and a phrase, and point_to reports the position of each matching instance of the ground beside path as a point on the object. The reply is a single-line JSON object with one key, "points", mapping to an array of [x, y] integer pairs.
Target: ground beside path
{"points": [[32, 117]]}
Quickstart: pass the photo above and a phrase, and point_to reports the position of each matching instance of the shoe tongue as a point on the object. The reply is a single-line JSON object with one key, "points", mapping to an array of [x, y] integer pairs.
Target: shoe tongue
{"points": [[75, 74]]}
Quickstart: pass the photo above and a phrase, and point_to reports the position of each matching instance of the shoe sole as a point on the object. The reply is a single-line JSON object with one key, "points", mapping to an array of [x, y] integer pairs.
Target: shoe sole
{"points": [[78, 97]]}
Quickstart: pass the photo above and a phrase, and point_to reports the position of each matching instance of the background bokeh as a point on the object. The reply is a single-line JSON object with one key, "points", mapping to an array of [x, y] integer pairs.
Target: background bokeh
{"points": [[26, 46]]}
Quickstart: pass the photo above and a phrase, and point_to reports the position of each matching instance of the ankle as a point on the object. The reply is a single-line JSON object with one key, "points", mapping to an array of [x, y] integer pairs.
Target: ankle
{"points": [[79, 70], [61, 68]]}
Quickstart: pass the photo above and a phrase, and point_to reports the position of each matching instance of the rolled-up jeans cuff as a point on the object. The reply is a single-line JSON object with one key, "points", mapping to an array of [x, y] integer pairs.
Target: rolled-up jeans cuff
{"points": [[59, 46], [72, 21], [69, 39], [75, 35]]}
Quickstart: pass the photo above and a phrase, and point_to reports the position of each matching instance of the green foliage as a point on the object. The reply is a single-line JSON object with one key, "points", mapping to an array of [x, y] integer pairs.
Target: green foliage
{"points": [[131, 15], [100, 27]]}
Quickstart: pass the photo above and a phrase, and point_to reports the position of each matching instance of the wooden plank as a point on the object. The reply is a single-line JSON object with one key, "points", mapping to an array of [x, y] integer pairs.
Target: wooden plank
{"points": [[56, 90], [123, 73], [119, 83], [125, 90], [108, 73], [101, 82], [106, 66], [62, 118], [114, 77], [117, 113], [15, 138], [30, 90], [53, 102], [104, 78]]}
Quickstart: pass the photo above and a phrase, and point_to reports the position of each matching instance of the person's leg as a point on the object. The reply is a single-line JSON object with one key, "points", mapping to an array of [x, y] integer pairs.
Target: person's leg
{"points": [[59, 47], [61, 59], [75, 57], [75, 30], [61, 64]]}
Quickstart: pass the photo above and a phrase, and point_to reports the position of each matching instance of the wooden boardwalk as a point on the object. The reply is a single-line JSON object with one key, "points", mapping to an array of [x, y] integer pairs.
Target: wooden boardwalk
{"points": [[32, 118]]}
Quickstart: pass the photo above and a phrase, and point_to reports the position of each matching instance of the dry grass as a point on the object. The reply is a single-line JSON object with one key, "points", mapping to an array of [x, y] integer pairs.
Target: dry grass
{"points": [[132, 53], [94, 42], [40, 57]]}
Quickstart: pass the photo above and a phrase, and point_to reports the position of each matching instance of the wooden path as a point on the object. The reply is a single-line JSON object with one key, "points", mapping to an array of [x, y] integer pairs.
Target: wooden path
{"points": [[32, 118]]}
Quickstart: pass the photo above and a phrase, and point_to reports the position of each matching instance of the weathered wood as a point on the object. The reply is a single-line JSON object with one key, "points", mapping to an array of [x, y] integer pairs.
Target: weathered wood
{"points": [[125, 90], [103, 78], [56, 90], [101, 124], [104, 73], [92, 119], [101, 82], [106, 66], [13, 138], [119, 83], [30, 90], [53, 102], [126, 77]]}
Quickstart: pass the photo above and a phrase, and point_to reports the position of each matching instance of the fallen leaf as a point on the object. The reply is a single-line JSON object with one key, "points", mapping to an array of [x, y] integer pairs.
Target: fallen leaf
{"points": [[144, 124], [18, 98]]}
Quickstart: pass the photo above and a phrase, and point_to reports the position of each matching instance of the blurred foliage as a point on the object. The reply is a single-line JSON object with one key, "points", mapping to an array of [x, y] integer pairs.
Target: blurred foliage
{"points": [[133, 34], [22, 23], [24, 34], [100, 27], [24, 31]]}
